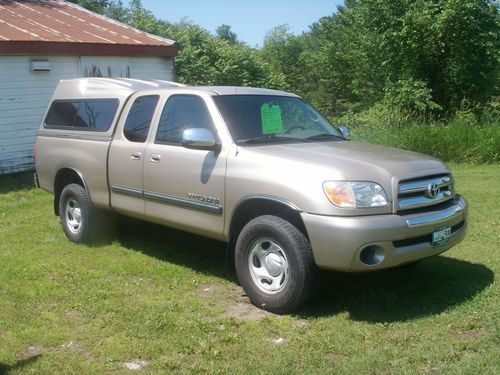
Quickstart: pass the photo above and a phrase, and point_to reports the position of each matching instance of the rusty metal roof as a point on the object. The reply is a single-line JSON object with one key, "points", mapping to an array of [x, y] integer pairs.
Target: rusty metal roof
{"points": [[59, 27]]}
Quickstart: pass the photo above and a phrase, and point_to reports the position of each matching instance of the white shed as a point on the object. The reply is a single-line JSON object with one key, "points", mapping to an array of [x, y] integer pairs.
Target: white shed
{"points": [[42, 42]]}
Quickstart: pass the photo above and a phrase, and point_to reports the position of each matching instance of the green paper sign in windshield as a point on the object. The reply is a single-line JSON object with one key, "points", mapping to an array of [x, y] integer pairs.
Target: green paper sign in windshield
{"points": [[271, 119]]}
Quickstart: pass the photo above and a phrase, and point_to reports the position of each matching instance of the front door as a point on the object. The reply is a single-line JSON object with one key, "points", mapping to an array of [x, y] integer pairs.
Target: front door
{"points": [[184, 188]]}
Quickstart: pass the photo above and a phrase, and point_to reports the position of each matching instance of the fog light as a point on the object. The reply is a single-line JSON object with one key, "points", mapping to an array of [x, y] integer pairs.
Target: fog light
{"points": [[372, 255]]}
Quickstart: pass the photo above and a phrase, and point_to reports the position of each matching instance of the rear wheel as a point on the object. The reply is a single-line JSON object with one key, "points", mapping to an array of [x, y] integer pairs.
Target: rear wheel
{"points": [[275, 264], [81, 222]]}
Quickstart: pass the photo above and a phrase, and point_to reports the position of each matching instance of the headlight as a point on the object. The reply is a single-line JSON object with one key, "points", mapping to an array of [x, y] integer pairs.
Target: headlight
{"points": [[358, 194]]}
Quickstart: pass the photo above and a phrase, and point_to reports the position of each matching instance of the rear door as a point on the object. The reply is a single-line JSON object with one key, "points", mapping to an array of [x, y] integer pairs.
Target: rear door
{"points": [[126, 155], [184, 188]]}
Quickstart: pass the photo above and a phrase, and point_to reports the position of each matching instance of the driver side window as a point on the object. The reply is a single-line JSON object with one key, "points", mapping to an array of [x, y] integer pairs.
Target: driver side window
{"points": [[182, 112]]}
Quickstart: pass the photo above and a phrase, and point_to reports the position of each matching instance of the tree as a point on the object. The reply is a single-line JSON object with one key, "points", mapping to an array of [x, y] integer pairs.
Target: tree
{"points": [[421, 55], [98, 6], [418, 56], [282, 51], [224, 32], [110, 8], [203, 58]]}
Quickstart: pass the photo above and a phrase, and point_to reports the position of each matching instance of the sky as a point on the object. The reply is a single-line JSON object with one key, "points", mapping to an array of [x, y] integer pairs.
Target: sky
{"points": [[250, 20]]}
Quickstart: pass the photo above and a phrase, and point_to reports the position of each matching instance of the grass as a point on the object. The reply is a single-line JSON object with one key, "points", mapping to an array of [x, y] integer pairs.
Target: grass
{"points": [[462, 139], [164, 297]]}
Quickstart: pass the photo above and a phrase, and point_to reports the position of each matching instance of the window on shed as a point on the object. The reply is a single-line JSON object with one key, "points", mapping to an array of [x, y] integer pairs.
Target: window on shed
{"points": [[139, 118], [96, 115], [182, 112]]}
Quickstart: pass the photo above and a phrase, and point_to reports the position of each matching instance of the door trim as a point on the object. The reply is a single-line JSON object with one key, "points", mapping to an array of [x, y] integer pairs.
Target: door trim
{"points": [[183, 202], [119, 189], [192, 204]]}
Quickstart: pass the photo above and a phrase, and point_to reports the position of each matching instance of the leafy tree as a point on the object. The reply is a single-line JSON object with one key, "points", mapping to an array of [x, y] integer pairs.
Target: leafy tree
{"points": [[98, 6], [440, 51], [204, 59], [143, 19], [224, 32], [420, 57], [117, 11]]}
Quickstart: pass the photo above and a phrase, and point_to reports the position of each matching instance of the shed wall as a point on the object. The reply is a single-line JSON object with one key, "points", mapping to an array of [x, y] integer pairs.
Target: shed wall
{"points": [[24, 96]]}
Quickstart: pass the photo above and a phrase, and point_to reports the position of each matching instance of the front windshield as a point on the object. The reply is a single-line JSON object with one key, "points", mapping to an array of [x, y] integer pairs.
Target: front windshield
{"points": [[270, 118]]}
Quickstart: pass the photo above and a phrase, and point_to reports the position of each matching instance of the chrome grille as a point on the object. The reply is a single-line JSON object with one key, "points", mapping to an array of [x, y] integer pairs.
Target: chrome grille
{"points": [[426, 238], [424, 192]]}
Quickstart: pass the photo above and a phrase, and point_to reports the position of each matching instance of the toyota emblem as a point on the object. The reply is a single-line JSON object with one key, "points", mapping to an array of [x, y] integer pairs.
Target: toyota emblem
{"points": [[432, 191]]}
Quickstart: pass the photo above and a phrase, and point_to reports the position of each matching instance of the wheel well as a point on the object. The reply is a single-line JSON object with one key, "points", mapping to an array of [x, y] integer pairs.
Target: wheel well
{"points": [[65, 177], [252, 208]]}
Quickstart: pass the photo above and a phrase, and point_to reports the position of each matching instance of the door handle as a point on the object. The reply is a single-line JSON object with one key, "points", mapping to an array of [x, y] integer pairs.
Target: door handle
{"points": [[155, 158], [136, 156]]}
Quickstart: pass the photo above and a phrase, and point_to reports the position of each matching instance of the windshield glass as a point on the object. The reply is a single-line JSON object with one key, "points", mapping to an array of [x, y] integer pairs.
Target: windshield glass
{"points": [[269, 118]]}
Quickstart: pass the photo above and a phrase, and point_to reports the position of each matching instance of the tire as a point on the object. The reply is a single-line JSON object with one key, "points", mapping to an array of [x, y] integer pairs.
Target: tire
{"points": [[275, 265], [79, 219]]}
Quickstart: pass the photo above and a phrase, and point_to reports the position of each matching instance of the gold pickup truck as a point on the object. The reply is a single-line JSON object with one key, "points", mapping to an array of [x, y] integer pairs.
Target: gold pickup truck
{"points": [[257, 168]]}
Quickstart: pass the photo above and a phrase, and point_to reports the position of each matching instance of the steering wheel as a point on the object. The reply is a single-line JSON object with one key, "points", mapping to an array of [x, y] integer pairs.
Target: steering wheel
{"points": [[289, 130]]}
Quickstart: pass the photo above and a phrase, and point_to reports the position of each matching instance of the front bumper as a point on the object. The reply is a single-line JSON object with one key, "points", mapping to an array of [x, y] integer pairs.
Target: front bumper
{"points": [[338, 242]]}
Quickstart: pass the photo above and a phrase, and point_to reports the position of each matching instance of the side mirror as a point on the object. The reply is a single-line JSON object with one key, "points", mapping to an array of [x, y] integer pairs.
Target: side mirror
{"points": [[199, 139], [344, 130]]}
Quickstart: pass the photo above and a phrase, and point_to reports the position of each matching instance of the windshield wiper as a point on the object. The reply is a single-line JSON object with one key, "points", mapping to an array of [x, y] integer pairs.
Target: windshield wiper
{"points": [[269, 138], [324, 136]]}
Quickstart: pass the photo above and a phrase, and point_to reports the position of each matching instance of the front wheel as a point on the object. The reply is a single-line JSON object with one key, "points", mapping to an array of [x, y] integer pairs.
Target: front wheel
{"points": [[275, 264]]}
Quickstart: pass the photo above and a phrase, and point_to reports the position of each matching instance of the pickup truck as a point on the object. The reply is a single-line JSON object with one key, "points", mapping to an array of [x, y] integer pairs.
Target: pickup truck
{"points": [[259, 169]]}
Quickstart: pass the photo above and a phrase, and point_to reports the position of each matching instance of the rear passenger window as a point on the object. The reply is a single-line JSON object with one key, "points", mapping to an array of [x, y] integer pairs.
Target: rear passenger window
{"points": [[182, 112], [139, 118], [95, 115]]}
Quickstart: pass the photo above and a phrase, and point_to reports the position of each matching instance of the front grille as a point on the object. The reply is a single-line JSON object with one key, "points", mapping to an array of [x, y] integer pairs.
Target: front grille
{"points": [[424, 192], [413, 241], [425, 238]]}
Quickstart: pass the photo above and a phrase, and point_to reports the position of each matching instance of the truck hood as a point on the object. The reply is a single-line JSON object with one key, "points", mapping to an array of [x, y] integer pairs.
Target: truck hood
{"points": [[352, 160], [296, 172]]}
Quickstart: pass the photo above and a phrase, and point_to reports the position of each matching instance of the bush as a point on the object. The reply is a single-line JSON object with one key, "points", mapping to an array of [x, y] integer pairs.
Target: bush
{"points": [[466, 138], [411, 97], [457, 142]]}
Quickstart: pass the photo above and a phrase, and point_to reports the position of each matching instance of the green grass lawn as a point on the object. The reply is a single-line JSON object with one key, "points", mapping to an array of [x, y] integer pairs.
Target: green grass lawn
{"points": [[162, 300]]}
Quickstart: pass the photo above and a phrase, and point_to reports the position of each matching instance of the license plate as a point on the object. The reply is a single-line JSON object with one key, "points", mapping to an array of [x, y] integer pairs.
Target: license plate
{"points": [[440, 236]]}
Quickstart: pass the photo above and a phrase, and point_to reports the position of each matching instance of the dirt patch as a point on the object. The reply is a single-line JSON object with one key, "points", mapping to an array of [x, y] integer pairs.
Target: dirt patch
{"points": [[78, 348], [233, 300], [33, 350], [75, 317], [431, 369], [470, 334], [278, 341], [245, 311], [335, 356], [136, 364], [301, 323]]}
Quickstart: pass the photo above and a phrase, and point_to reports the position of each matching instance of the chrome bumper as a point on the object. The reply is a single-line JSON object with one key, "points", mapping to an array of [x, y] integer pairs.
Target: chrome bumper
{"points": [[337, 242], [438, 217]]}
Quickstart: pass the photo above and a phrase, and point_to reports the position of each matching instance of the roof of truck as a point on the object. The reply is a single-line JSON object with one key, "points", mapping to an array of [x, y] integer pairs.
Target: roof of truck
{"points": [[239, 90], [124, 87]]}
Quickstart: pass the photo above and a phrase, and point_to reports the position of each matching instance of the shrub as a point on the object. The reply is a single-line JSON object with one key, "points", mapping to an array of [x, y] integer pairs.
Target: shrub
{"points": [[411, 97], [465, 138]]}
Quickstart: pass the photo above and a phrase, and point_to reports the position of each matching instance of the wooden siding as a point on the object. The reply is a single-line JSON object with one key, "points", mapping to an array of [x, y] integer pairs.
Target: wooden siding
{"points": [[160, 68], [24, 96]]}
